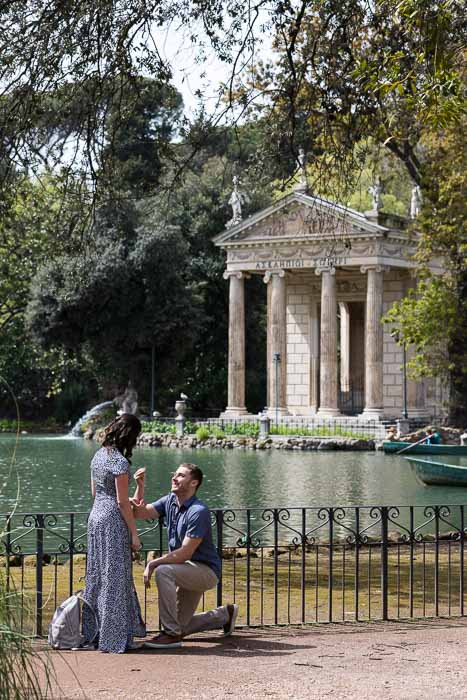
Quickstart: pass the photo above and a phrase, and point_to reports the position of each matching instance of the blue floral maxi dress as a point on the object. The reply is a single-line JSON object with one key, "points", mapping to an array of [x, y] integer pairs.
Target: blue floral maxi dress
{"points": [[109, 581]]}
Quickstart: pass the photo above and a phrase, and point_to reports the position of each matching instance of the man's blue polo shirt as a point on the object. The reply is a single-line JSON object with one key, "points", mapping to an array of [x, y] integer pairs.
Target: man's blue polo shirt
{"points": [[192, 519]]}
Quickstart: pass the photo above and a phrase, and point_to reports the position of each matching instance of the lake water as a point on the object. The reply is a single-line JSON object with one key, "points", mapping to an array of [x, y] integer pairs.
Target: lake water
{"points": [[51, 474]]}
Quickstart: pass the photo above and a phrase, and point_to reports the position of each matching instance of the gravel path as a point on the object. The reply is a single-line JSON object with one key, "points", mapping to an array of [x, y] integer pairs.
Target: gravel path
{"points": [[382, 660]]}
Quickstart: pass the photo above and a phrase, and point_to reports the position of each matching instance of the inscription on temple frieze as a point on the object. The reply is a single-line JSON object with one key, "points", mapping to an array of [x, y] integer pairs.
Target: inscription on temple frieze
{"points": [[319, 255]]}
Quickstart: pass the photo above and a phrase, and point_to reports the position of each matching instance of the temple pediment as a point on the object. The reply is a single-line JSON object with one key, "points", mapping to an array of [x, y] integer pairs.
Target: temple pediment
{"points": [[301, 231], [300, 217]]}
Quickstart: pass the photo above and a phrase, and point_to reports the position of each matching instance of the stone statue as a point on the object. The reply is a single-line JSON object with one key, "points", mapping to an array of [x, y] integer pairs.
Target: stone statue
{"points": [[128, 401], [415, 202], [236, 200], [302, 184], [376, 191]]}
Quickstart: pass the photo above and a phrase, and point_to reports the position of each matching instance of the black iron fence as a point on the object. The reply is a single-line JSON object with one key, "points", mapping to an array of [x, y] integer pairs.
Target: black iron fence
{"points": [[285, 426], [351, 402], [281, 565]]}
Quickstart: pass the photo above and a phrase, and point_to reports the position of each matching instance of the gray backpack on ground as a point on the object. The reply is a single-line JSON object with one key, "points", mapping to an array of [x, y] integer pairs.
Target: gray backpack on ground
{"points": [[65, 628]]}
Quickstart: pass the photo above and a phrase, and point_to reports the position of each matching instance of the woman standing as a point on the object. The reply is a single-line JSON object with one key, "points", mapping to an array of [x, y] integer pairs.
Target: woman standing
{"points": [[112, 535]]}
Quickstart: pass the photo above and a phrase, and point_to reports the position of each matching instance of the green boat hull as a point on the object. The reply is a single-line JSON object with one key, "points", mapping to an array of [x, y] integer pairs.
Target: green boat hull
{"points": [[390, 446], [434, 473]]}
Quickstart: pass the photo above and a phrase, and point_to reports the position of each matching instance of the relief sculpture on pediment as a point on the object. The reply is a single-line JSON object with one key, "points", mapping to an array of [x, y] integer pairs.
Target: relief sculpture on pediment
{"points": [[300, 222]]}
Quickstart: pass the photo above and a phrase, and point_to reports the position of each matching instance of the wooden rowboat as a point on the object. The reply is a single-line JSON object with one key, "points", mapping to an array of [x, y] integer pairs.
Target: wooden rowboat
{"points": [[391, 446], [437, 473]]}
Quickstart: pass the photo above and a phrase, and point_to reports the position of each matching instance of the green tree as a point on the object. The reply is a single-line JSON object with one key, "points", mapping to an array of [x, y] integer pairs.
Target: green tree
{"points": [[37, 220], [125, 293], [140, 128], [34, 223], [198, 206], [433, 318]]}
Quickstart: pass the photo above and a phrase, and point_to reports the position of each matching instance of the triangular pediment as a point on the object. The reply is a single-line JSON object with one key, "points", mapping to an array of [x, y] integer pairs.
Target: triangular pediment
{"points": [[299, 217]]}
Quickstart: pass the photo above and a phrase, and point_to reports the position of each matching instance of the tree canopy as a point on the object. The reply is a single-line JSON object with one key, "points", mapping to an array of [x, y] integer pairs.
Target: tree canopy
{"points": [[344, 69], [99, 169]]}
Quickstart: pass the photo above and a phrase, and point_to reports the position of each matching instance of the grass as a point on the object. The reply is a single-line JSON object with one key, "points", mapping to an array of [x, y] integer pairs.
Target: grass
{"points": [[276, 594], [317, 432], [20, 661]]}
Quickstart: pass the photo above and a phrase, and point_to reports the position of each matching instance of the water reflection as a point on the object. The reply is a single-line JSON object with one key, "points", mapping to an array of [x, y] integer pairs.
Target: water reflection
{"points": [[53, 474]]}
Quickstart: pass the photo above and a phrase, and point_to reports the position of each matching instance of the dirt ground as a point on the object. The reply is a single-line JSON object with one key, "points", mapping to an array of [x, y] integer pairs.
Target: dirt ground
{"points": [[382, 660]]}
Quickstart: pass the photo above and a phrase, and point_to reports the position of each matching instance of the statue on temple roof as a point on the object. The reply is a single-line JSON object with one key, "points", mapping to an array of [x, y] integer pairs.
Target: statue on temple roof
{"points": [[301, 185], [415, 201], [376, 191], [236, 200]]}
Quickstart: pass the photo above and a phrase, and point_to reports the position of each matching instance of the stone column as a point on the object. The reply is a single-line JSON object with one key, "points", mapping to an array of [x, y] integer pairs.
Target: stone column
{"points": [[314, 356], [236, 364], [345, 345], [277, 334], [374, 401], [328, 356], [269, 401]]}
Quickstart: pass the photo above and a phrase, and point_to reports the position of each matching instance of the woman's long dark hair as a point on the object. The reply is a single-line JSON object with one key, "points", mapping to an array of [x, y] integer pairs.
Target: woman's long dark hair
{"points": [[122, 433]]}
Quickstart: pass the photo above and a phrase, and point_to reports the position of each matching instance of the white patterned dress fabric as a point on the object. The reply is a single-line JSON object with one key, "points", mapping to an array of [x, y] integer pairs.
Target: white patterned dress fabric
{"points": [[109, 581]]}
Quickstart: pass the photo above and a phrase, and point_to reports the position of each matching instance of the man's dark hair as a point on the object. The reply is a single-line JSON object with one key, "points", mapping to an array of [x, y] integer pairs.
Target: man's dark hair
{"points": [[195, 472], [122, 433]]}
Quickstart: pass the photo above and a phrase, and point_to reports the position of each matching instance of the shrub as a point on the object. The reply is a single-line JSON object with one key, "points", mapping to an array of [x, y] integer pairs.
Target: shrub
{"points": [[217, 432], [248, 429], [202, 434], [190, 427]]}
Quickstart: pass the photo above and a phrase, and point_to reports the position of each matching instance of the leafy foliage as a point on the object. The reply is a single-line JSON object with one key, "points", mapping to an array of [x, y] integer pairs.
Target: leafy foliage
{"points": [[347, 70], [38, 219], [119, 298], [34, 223], [433, 318], [158, 427], [72, 94], [20, 662]]}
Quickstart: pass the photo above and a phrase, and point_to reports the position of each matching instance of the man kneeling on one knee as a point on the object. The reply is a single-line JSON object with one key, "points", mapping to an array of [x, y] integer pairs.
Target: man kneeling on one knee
{"points": [[192, 565]]}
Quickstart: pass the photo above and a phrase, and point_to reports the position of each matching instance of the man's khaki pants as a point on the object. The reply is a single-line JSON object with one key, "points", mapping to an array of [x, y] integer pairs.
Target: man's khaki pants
{"points": [[180, 588]]}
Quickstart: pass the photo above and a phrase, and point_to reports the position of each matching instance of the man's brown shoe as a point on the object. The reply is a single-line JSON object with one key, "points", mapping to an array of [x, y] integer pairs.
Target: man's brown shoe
{"points": [[163, 641], [230, 624]]}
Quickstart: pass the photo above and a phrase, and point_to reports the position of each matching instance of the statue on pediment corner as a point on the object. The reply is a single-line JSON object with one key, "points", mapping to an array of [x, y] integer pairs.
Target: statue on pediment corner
{"points": [[237, 198], [301, 185], [376, 191], [415, 201]]}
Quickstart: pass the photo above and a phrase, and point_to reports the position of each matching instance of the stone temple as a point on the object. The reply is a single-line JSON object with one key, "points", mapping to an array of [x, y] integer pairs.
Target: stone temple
{"points": [[331, 273]]}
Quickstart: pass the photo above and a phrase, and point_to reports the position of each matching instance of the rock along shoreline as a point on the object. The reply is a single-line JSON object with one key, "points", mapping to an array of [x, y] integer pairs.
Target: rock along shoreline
{"points": [[191, 442]]}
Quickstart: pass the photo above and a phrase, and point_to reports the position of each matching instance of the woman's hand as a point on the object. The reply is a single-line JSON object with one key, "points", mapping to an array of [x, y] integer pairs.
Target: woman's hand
{"points": [[137, 501], [139, 475], [135, 542]]}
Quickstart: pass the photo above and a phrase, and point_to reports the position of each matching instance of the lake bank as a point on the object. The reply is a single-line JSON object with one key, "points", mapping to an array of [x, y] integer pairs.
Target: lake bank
{"points": [[253, 443]]}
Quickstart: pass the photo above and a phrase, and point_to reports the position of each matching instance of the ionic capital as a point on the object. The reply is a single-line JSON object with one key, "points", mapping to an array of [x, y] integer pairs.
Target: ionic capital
{"points": [[377, 268], [269, 274], [239, 274], [319, 270]]}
